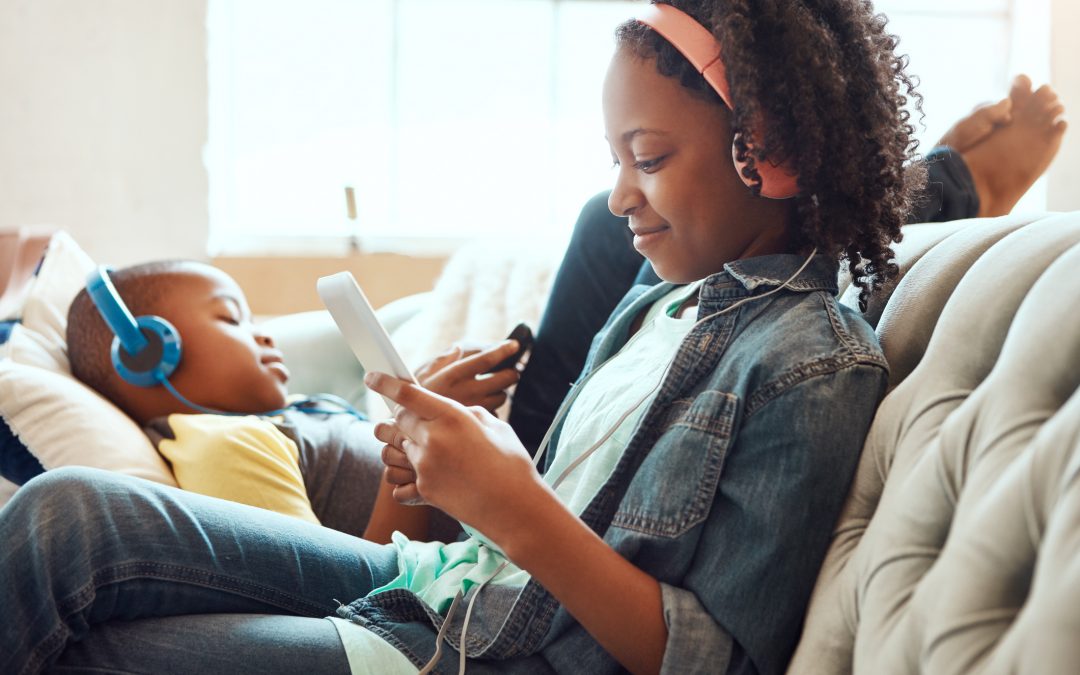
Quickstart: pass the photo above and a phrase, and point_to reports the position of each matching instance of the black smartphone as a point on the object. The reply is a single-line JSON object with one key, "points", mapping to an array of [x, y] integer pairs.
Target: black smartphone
{"points": [[524, 336]]}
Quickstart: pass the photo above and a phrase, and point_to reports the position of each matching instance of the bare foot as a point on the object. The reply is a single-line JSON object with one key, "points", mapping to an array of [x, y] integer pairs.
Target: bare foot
{"points": [[976, 127], [1010, 158]]}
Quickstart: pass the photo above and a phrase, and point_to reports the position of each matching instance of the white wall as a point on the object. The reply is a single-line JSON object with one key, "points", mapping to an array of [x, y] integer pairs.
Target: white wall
{"points": [[1064, 173], [103, 108], [103, 122]]}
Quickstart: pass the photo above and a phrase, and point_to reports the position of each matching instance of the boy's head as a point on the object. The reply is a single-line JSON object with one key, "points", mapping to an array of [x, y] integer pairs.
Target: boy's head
{"points": [[226, 363]]}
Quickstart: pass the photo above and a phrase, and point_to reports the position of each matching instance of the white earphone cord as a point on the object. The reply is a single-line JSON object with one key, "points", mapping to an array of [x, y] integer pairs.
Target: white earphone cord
{"points": [[563, 409], [304, 405]]}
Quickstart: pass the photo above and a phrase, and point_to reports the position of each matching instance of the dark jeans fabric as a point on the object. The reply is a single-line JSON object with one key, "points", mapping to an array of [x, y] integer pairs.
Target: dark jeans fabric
{"points": [[950, 190], [601, 265]]}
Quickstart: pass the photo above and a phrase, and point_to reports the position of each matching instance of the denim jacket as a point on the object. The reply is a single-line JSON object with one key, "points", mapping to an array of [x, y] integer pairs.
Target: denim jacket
{"points": [[727, 492]]}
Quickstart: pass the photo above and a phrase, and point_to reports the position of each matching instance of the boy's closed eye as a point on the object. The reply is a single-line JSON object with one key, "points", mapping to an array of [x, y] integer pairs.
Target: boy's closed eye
{"points": [[231, 311]]}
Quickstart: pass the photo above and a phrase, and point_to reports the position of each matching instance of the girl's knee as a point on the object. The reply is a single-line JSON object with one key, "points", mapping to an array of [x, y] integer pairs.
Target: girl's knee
{"points": [[70, 492]]}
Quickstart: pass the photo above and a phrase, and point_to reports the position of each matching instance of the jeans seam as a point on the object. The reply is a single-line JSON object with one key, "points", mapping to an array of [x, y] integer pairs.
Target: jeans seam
{"points": [[90, 669], [205, 579], [78, 600], [41, 653]]}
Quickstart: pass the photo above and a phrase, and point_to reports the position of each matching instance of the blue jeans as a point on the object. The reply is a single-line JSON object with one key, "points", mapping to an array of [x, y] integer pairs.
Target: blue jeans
{"points": [[93, 592], [123, 558]]}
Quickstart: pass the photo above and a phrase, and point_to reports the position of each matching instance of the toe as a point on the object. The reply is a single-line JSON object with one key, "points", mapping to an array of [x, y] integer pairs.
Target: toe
{"points": [[1052, 114], [997, 114], [1021, 87], [1045, 96]]}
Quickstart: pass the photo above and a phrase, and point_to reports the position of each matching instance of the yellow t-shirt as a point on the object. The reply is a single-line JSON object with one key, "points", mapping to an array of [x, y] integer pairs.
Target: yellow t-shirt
{"points": [[242, 459]]}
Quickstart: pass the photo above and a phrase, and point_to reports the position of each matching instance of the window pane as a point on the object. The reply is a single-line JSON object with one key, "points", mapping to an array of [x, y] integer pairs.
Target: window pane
{"points": [[299, 107], [944, 7], [477, 117], [954, 74], [473, 113], [582, 159]]}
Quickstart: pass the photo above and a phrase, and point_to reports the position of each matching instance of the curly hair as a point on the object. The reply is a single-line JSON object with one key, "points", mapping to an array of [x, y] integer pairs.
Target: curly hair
{"points": [[825, 76]]}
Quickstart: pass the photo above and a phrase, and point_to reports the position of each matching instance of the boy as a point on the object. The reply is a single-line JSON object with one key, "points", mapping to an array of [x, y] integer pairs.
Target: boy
{"points": [[286, 463]]}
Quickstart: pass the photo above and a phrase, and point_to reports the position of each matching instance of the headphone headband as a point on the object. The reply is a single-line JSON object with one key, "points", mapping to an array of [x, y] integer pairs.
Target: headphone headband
{"points": [[145, 350], [704, 52], [113, 310], [694, 41]]}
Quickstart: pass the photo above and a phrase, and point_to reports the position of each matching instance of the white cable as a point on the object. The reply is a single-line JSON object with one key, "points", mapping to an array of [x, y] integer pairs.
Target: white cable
{"points": [[563, 409], [583, 456], [430, 665]]}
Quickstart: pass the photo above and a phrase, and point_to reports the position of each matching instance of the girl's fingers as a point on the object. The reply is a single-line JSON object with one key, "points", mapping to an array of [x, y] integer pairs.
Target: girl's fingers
{"points": [[395, 457], [397, 477], [386, 432], [408, 424], [414, 398], [393, 433], [407, 494]]}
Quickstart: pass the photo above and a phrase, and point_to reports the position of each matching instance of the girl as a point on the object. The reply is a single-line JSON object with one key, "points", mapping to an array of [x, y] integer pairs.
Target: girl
{"points": [[696, 470]]}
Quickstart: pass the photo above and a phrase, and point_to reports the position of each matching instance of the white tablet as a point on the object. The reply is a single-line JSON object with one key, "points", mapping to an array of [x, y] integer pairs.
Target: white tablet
{"points": [[356, 320]]}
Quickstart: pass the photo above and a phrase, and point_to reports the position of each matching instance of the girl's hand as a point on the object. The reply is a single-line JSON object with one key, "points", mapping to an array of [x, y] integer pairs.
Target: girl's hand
{"points": [[460, 374], [460, 459]]}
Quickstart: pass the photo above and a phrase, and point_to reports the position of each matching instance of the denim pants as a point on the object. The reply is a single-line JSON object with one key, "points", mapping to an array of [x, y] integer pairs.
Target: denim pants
{"points": [[124, 558], [243, 589]]}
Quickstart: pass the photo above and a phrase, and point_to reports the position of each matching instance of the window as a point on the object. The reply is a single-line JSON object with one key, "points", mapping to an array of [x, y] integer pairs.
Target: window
{"points": [[966, 52], [476, 117]]}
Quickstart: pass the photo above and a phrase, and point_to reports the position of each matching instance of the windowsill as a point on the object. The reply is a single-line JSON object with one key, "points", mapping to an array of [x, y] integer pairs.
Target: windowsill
{"points": [[284, 282], [324, 246]]}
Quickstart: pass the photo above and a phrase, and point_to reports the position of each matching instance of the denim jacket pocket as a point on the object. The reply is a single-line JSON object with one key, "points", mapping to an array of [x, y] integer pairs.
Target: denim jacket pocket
{"points": [[687, 461]]}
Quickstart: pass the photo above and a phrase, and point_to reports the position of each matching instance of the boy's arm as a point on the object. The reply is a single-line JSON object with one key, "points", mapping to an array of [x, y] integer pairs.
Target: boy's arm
{"points": [[388, 516]]}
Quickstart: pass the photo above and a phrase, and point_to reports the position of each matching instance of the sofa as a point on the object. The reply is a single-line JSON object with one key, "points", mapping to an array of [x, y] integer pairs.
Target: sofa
{"points": [[958, 549]]}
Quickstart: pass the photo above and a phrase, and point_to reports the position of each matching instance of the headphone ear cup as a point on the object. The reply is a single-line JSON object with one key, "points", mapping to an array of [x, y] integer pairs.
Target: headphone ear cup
{"points": [[153, 364], [777, 181]]}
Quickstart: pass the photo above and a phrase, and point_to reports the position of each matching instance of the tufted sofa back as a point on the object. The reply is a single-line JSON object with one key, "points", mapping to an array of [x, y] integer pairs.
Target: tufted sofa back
{"points": [[957, 550]]}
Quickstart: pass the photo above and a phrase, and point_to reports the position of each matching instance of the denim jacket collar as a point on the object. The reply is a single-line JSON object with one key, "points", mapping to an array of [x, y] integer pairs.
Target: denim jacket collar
{"points": [[727, 368], [774, 270], [739, 279]]}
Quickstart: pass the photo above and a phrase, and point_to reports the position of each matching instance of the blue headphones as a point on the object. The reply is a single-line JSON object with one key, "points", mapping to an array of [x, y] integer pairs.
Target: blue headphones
{"points": [[147, 349]]}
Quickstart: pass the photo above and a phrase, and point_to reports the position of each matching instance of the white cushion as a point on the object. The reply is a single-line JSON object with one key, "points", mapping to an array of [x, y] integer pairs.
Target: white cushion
{"points": [[61, 421], [39, 339]]}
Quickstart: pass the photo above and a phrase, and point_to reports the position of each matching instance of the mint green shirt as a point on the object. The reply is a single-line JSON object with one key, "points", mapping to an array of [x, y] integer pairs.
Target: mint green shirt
{"points": [[436, 572]]}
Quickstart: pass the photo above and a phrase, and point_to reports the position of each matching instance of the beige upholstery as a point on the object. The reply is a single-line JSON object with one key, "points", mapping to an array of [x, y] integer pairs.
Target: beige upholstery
{"points": [[963, 490]]}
